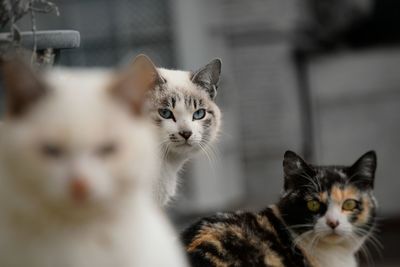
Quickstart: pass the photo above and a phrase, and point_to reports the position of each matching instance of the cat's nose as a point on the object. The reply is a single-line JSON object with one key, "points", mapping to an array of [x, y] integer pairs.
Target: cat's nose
{"points": [[79, 189], [332, 224], [185, 134]]}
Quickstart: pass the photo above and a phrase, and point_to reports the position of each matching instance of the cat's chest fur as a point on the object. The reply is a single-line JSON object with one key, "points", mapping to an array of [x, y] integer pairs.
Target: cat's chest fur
{"points": [[333, 257], [103, 242], [168, 184], [60, 246]]}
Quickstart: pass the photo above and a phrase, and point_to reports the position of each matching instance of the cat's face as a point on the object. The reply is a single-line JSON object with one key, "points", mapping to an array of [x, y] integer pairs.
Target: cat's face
{"points": [[76, 143], [333, 205], [183, 108]]}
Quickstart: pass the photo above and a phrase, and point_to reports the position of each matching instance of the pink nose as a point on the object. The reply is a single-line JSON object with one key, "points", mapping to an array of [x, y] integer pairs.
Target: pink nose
{"points": [[332, 224], [79, 189], [185, 134]]}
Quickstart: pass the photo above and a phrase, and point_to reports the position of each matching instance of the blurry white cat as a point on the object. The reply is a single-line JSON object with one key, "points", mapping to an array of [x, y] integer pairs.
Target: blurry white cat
{"points": [[77, 163]]}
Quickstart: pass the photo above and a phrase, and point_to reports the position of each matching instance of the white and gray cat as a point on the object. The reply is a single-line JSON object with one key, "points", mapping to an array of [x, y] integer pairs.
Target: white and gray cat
{"points": [[77, 164], [188, 120]]}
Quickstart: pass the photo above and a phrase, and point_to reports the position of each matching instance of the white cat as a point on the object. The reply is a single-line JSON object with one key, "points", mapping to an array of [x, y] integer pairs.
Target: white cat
{"points": [[77, 166], [188, 120]]}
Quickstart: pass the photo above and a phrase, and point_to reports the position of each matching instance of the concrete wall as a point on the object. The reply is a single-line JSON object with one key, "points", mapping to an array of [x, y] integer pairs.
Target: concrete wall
{"points": [[357, 107]]}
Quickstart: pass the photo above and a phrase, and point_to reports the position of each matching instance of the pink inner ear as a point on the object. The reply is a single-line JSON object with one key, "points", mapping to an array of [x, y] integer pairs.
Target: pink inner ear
{"points": [[132, 86]]}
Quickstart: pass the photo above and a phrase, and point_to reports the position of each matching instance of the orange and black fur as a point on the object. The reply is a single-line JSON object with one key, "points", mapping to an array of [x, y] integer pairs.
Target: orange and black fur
{"points": [[323, 211]]}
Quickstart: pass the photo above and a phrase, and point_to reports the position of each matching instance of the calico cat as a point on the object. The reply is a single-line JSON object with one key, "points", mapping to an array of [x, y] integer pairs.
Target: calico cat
{"points": [[77, 164], [323, 218], [188, 120]]}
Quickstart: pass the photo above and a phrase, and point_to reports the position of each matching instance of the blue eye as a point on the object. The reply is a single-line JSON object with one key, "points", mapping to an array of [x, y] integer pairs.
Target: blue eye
{"points": [[199, 114], [166, 113]]}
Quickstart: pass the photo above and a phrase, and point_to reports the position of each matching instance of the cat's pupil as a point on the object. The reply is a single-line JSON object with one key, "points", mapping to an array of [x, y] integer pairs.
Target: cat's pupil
{"points": [[313, 205], [165, 113], [52, 151], [107, 149], [199, 114], [349, 205]]}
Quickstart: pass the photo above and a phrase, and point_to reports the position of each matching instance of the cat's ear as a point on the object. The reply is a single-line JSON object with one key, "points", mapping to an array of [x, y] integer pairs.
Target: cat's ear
{"points": [[362, 172], [296, 170], [22, 86], [133, 83], [208, 76], [143, 66]]}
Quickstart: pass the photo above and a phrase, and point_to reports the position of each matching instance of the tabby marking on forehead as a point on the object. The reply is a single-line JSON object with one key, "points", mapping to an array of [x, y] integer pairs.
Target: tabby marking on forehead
{"points": [[340, 194]]}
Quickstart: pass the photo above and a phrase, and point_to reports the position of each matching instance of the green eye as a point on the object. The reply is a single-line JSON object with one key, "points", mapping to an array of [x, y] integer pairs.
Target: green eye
{"points": [[313, 205], [199, 114], [349, 205], [165, 113]]}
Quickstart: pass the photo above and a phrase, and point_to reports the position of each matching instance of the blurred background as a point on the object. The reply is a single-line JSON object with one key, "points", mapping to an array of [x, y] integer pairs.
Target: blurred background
{"points": [[320, 77]]}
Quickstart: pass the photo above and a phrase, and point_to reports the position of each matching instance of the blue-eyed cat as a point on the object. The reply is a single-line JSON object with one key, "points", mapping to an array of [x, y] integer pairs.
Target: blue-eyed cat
{"points": [[188, 120], [325, 215], [77, 164]]}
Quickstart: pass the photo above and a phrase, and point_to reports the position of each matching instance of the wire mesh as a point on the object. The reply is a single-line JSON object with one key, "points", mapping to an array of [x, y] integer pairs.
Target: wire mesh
{"points": [[113, 31]]}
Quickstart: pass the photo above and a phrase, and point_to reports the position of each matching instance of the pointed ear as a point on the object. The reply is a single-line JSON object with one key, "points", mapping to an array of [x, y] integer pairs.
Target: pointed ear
{"points": [[133, 84], [23, 88], [293, 164], [296, 170], [362, 172], [143, 66], [208, 76]]}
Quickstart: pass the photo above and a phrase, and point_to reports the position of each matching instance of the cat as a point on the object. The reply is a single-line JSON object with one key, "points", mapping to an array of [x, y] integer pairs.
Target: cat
{"points": [[77, 163], [323, 218], [182, 107]]}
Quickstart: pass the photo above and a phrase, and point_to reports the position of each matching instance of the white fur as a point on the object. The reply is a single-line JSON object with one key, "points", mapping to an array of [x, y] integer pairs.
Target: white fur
{"points": [[119, 224], [336, 250], [177, 78], [334, 256], [176, 154]]}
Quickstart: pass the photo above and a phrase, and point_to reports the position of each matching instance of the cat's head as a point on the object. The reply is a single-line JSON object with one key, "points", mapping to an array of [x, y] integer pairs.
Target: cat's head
{"points": [[182, 106], [329, 204], [75, 137]]}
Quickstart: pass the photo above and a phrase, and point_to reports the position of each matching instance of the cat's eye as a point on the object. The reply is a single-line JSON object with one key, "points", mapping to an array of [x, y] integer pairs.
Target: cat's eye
{"points": [[199, 114], [166, 113], [349, 205], [51, 151], [313, 205], [107, 149]]}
